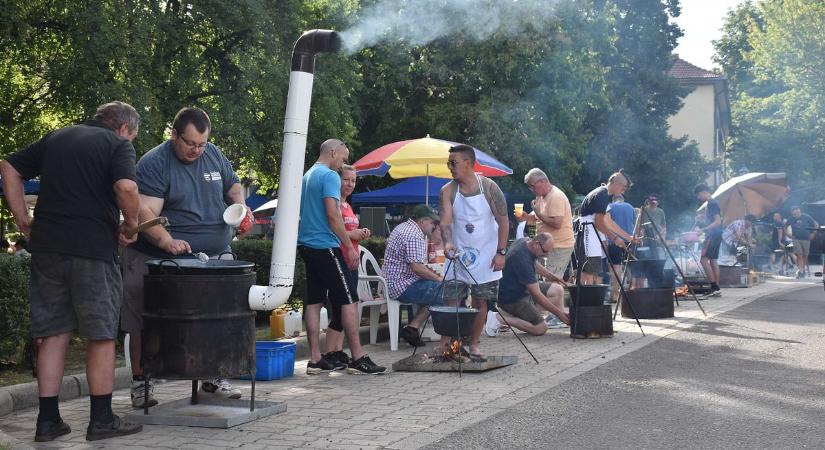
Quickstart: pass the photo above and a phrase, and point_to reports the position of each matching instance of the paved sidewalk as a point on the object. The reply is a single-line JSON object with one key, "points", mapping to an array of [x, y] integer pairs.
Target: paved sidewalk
{"points": [[397, 410]]}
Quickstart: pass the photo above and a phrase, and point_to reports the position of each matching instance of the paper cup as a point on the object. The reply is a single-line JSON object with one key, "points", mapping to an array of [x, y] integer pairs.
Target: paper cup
{"points": [[518, 208]]}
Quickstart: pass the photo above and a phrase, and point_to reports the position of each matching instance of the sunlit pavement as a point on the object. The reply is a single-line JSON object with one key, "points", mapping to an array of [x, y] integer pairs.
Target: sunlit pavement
{"points": [[400, 410]]}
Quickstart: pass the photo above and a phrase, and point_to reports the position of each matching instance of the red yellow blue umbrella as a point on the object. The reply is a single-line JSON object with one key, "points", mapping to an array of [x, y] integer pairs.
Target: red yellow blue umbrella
{"points": [[422, 157]]}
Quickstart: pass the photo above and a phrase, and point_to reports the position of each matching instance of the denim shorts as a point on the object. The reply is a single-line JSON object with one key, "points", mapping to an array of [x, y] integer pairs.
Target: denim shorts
{"points": [[423, 292], [75, 293]]}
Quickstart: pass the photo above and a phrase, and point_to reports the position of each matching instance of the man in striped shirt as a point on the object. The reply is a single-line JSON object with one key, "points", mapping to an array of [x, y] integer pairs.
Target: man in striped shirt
{"points": [[409, 280]]}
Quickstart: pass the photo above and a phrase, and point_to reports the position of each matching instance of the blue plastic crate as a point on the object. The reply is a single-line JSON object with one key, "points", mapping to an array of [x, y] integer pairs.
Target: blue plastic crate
{"points": [[274, 360]]}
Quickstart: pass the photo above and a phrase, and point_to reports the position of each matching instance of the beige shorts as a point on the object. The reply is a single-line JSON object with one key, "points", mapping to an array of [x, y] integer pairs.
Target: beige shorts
{"points": [[557, 260], [801, 247]]}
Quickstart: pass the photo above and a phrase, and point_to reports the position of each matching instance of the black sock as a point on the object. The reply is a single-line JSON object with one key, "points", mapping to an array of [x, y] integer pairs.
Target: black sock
{"points": [[138, 378], [714, 286], [101, 408], [48, 410]]}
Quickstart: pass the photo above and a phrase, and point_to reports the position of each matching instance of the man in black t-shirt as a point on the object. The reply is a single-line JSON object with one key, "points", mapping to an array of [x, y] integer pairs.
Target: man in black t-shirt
{"points": [[594, 211], [803, 230], [520, 292], [87, 178], [712, 221]]}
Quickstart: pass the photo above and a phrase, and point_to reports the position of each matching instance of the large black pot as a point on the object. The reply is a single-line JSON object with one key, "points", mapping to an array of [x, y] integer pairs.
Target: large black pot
{"points": [[193, 266], [198, 326], [453, 321], [588, 295]]}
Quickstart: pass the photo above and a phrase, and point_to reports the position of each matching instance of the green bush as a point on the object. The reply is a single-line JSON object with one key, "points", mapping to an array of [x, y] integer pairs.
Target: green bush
{"points": [[15, 326], [259, 252], [376, 246]]}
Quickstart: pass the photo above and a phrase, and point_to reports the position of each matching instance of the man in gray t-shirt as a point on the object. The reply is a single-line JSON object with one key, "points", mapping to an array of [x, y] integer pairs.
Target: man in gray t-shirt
{"points": [[190, 182]]}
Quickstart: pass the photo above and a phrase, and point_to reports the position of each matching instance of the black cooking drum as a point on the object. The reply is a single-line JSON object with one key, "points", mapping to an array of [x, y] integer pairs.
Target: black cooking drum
{"points": [[196, 322]]}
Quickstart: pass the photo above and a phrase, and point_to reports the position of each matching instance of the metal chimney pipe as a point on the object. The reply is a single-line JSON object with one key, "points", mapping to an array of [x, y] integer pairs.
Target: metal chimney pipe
{"points": [[296, 123]]}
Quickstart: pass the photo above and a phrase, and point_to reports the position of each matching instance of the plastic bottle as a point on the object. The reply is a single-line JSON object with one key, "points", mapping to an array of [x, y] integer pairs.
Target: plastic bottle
{"points": [[276, 323], [324, 319], [292, 324]]}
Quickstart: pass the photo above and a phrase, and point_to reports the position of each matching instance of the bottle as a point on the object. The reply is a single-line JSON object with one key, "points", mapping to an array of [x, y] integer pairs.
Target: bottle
{"points": [[430, 252], [292, 324], [324, 319], [276, 323]]}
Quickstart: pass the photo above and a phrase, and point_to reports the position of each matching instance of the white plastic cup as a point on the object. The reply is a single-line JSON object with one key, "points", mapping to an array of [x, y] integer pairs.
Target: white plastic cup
{"points": [[234, 214]]}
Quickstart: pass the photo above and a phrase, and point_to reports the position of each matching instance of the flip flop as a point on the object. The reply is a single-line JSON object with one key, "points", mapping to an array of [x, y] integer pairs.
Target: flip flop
{"points": [[474, 357]]}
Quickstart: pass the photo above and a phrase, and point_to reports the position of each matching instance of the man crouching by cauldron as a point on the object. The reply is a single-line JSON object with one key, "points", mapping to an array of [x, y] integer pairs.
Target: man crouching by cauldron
{"points": [[520, 294], [190, 182], [87, 174]]}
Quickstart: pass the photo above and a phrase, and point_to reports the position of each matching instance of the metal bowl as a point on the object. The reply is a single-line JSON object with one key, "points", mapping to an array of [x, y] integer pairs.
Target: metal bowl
{"points": [[453, 320]]}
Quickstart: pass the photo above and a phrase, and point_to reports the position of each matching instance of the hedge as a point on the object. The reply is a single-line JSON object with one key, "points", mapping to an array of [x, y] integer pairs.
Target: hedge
{"points": [[15, 326]]}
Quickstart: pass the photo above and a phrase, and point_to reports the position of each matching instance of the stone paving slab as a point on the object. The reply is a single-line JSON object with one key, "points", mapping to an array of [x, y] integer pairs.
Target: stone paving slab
{"points": [[395, 410]]}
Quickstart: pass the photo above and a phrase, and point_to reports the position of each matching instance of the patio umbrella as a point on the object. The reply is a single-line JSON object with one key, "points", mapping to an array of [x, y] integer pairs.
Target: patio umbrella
{"points": [[754, 193], [425, 157]]}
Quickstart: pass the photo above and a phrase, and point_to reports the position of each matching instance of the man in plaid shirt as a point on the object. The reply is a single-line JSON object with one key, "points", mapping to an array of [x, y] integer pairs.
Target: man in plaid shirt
{"points": [[409, 280]]}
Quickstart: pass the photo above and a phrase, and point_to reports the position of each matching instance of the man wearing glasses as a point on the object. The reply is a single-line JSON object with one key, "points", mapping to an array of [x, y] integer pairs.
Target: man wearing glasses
{"points": [[474, 229], [190, 182], [520, 293]]}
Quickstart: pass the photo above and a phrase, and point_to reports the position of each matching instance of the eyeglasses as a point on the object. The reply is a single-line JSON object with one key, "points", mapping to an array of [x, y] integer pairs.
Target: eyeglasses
{"points": [[541, 246], [192, 144], [454, 162]]}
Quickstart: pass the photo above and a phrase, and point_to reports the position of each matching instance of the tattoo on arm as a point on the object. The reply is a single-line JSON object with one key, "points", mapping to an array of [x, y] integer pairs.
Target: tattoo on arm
{"points": [[499, 203]]}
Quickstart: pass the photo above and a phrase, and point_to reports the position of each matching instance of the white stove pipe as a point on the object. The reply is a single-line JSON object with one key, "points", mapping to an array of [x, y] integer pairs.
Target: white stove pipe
{"points": [[296, 123]]}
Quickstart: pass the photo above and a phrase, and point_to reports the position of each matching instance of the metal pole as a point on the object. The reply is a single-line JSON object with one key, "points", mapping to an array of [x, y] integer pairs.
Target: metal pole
{"points": [[624, 294], [626, 264], [682, 274]]}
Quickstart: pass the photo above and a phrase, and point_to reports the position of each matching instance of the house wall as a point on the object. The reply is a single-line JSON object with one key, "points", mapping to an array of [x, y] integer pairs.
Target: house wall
{"points": [[696, 120]]}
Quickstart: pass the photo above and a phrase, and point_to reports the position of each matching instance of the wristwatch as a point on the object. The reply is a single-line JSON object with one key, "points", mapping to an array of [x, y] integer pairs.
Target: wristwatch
{"points": [[502, 251]]}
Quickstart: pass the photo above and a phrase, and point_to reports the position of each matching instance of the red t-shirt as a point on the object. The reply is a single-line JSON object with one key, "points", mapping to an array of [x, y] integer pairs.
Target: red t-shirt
{"points": [[350, 223]]}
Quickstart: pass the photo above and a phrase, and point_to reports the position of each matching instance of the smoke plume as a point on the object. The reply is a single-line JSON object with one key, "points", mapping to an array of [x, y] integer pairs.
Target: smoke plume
{"points": [[419, 22]]}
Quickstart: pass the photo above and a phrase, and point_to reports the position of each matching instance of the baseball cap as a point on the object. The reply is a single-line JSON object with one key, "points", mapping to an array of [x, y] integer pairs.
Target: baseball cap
{"points": [[424, 212]]}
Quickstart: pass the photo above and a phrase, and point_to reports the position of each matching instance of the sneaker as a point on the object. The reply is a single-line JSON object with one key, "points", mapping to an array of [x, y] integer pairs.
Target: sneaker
{"points": [[138, 393], [364, 365], [49, 430], [117, 427], [221, 387], [340, 362], [493, 326], [323, 365], [410, 334], [553, 322], [715, 290]]}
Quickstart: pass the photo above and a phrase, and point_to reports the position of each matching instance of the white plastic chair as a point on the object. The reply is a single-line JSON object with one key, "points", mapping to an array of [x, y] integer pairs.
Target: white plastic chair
{"points": [[520, 230], [369, 276]]}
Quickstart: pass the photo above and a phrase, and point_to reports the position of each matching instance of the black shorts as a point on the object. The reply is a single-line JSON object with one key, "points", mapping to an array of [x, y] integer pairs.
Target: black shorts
{"points": [[711, 248], [616, 255], [328, 277], [74, 293]]}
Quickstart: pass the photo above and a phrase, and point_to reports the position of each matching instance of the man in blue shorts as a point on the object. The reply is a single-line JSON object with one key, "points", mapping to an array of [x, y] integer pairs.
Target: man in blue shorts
{"points": [[712, 221], [320, 233], [87, 179], [409, 280]]}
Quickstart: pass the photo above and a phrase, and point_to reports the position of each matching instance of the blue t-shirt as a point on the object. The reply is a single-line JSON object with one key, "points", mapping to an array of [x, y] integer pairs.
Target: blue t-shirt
{"points": [[623, 214], [319, 182], [193, 197], [519, 272]]}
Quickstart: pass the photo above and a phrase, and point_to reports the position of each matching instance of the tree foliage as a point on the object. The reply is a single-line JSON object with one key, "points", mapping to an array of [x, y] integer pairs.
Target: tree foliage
{"points": [[774, 55], [580, 92]]}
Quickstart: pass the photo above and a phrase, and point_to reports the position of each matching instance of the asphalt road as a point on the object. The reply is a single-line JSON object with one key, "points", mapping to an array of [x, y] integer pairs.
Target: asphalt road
{"points": [[750, 378]]}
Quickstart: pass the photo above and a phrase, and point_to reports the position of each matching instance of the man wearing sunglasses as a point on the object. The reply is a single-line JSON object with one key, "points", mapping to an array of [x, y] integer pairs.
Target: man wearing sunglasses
{"points": [[189, 181], [521, 297], [474, 229]]}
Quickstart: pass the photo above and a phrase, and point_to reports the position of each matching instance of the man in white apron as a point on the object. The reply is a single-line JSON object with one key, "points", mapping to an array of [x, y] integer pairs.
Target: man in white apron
{"points": [[474, 228], [593, 212]]}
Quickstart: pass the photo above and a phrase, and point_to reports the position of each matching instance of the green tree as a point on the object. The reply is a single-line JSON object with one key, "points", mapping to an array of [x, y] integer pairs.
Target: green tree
{"points": [[774, 55]]}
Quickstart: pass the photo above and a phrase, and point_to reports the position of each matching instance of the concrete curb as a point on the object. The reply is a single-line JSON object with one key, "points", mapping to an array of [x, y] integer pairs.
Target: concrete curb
{"points": [[24, 396]]}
